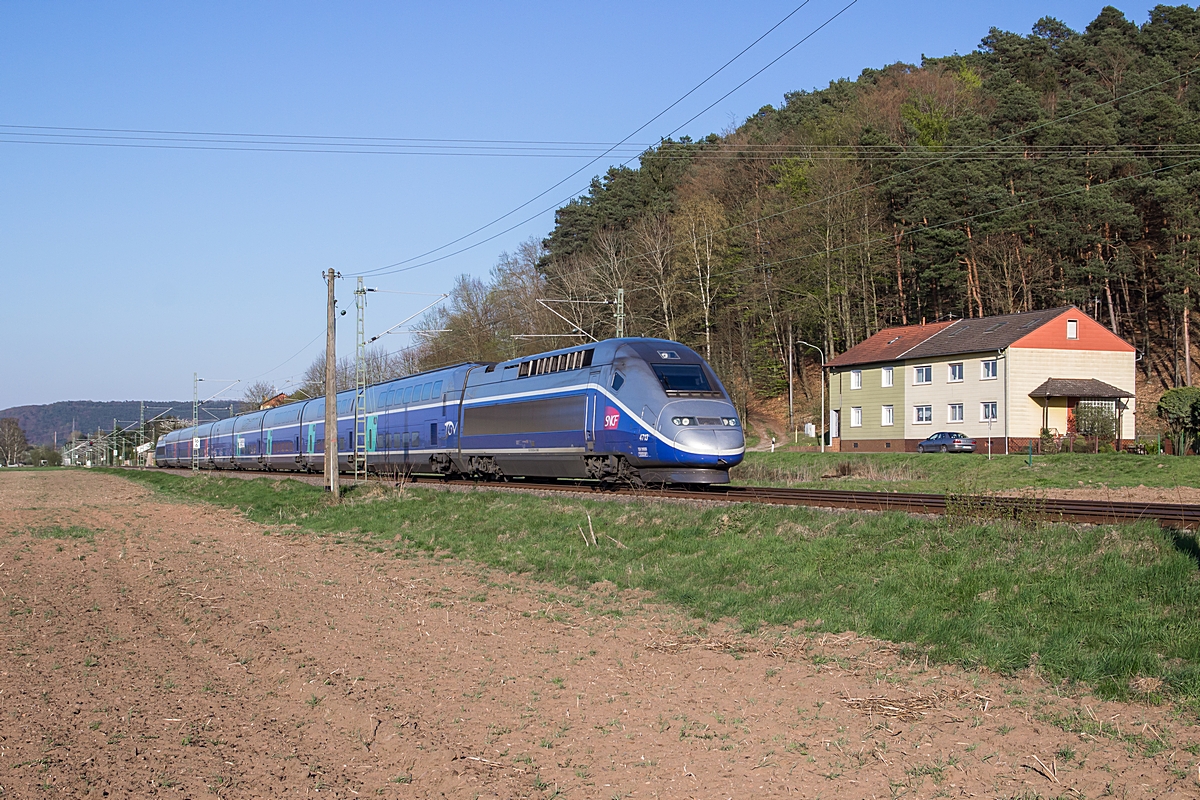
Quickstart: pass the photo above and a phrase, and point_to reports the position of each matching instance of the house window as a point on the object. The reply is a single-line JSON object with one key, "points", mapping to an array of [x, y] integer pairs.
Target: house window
{"points": [[856, 379], [886, 377], [856, 417], [923, 374], [989, 370], [887, 417], [954, 412], [956, 373], [987, 412], [923, 415], [1072, 329]]}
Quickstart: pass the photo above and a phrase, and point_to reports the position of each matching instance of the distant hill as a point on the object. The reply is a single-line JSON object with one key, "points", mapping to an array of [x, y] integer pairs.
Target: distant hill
{"points": [[40, 423]]}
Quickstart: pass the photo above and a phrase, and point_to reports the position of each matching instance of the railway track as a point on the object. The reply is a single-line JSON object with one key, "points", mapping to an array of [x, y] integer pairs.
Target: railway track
{"points": [[1171, 515]]}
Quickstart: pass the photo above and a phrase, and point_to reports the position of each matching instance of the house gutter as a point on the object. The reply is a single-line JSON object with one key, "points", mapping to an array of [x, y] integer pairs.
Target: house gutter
{"points": [[1003, 353]]}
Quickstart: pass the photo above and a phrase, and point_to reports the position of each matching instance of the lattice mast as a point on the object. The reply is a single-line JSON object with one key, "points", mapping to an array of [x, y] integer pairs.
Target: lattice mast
{"points": [[360, 384], [194, 444]]}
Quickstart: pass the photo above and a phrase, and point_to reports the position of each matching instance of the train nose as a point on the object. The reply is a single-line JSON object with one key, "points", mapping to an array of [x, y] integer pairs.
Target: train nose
{"points": [[711, 442]]}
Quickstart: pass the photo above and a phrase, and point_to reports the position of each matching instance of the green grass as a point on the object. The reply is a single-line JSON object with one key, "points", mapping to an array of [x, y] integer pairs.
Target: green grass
{"points": [[965, 472], [1100, 605], [62, 532]]}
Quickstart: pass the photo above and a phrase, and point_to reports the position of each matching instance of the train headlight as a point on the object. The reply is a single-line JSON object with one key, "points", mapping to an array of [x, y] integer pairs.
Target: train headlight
{"points": [[684, 421], [730, 421]]}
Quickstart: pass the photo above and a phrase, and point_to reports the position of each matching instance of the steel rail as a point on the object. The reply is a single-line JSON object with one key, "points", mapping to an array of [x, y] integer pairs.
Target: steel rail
{"points": [[1172, 515], [1175, 515]]}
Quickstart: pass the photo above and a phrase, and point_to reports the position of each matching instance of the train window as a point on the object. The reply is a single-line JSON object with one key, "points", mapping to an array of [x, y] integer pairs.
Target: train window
{"points": [[408, 394], [618, 380], [576, 359], [425, 392], [682, 377], [416, 439], [437, 388]]}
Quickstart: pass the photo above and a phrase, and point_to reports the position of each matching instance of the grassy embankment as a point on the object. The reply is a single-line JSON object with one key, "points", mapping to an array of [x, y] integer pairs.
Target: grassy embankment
{"points": [[965, 472], [1101, 605]]}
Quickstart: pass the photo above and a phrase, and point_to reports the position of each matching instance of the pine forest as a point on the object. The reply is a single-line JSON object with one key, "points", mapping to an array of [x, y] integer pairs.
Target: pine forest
{"points": [[1040, 170]]}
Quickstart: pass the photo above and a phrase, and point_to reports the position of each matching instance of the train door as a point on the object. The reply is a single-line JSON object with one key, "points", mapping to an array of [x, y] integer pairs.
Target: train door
{"points": [[372, 431], [589, 421], [312, 439], [270, 441]]}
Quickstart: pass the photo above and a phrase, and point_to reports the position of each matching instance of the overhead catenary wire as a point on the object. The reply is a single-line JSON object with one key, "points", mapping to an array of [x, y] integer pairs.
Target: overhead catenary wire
{"points": [[382, 270], [716, 152], [860, 187], [961, 220], [935, 161]]}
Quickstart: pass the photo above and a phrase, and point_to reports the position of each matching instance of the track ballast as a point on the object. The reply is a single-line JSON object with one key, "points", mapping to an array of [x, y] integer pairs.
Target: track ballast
{"points": [[1172, 515]]}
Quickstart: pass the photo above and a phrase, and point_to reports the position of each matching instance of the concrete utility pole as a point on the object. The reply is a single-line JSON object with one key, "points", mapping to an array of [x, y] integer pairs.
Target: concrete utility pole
{"points": [[331, 437]]}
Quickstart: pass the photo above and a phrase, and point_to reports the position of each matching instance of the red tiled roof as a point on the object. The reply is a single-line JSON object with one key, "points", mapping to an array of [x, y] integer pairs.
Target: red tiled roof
{"points": [[889, 344]]}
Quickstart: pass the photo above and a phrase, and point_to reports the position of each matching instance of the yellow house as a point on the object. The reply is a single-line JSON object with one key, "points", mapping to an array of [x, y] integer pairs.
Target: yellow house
{"points": [[1001, 379]]}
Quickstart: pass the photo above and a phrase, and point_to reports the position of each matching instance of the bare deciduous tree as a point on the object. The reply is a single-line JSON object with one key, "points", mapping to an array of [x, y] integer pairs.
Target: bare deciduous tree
{"points": [[258, 392], [12, 441]]}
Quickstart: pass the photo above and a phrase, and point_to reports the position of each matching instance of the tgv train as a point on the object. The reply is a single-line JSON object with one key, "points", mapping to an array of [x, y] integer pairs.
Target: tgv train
{"points": [[636, 410]]}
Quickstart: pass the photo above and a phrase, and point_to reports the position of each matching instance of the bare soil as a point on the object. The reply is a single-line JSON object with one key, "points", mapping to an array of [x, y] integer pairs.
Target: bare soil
{"points": [[1118, 494], [184, 651]]}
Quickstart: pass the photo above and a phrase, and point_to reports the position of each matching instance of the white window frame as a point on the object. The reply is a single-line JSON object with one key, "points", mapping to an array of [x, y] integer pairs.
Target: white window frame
{"points": [[886, 377], [983, 369], [927, 370], [1072, 329], [993, 406], [950, 408], [855, 379], [887, 416], [855, 416], [950, 372], [917, 415]]}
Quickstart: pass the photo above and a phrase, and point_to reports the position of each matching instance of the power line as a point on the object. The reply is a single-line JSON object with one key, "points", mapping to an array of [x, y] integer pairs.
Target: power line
{"points": [[701, 152], [960, 220], [935, 161], [381, 270], [770, 64]]}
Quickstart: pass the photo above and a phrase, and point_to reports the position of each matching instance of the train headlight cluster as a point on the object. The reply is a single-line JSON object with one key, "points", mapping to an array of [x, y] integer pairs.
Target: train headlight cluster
{"points": [[729, 421], [685, 421]]}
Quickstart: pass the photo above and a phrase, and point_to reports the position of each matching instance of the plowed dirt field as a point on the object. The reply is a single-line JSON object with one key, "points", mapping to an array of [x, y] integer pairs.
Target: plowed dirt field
{"points": [[154, 649]]}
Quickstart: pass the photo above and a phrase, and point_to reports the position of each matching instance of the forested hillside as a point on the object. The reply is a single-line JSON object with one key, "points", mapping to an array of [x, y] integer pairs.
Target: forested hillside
{"points": [[1040, 170], [42, 423]]}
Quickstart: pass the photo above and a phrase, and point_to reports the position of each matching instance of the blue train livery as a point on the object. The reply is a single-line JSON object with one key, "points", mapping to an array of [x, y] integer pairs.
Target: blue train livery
{"points": [[635, 410]]}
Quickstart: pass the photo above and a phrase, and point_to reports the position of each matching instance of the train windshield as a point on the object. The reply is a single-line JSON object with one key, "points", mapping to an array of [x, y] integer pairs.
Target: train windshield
{"points": [[682, 377]]}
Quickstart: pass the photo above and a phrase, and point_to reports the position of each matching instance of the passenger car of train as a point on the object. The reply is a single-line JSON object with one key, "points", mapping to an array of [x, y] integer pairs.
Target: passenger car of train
{"points": [[636, 410]]}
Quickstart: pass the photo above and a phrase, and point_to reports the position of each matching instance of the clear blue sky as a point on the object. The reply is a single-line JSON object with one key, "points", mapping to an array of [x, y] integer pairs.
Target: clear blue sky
{"points": [[127, 269]]}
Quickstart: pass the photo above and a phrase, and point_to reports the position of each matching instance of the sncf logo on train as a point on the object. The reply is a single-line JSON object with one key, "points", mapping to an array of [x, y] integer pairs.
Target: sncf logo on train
{"points": [[611, 418]]}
